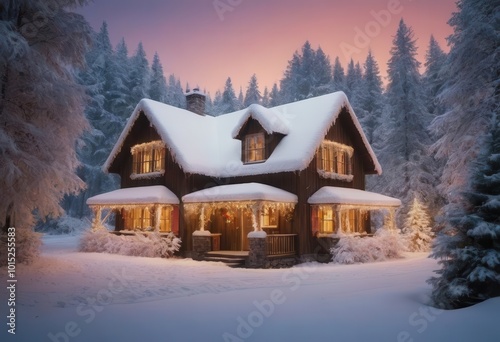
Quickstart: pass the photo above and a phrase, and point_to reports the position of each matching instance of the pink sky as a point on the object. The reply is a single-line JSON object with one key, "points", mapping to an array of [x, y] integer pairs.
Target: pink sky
{"points": [[203, 46]]}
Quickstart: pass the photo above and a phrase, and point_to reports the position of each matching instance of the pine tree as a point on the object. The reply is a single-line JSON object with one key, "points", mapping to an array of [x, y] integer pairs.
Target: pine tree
{"points": [[265, 98], [41, 107], [175, 94], [338, 79], [408, 169], [252, 94], [469, 245], [117, 100], [306, 82], [289, 89], [433, 79], [96, 143], [229, 102], [240, 99], [471, 93], [371, 99], [417, 230], [274, 96], [139, 77], [158, 83], [322, 73]]}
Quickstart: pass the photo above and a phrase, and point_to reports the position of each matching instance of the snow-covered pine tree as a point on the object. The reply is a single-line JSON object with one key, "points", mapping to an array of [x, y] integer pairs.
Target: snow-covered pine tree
{"points": [[417, 230], [305, 77], [338, 77], [353, 82], [275, 97], [471, 93], [408, 169], [139, 78], [157, 83], [433, 78], [322, 73], [41, 107], [289, 89], [229, 102], [117, 99], [175, 94], [265, 97], [240, 99], [371, 98], [100, 80], [252, 94], [469, 245]]}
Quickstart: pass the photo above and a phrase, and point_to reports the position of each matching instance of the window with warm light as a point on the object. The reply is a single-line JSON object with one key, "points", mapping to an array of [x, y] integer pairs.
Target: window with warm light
{"points": [[254, 148], [269, 218], [326, 220], [148, 158], [335, 160], [165, 219], [138, 219]]}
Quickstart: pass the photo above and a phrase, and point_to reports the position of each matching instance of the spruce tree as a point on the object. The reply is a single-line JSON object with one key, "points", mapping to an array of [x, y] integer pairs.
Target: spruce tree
{"points": [[265, 98], [252, 94], [469, 245], [433, 79], [417, 230], [408, 169], [338, 77], [158, 83], [274, 96], [322, 73], [229, 102]]}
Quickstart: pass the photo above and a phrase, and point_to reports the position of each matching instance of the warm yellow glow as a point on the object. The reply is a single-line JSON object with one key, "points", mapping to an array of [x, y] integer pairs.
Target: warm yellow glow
{"points": [[254, 147], [148, 157]]}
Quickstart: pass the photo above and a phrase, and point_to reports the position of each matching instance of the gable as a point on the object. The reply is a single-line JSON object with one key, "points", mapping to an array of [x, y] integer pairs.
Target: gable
{"points": [[206, 145]]}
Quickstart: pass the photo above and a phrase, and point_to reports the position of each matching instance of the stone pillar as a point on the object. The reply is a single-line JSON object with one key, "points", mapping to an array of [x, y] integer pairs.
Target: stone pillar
{"points": [[202, 243], [257, 254]]}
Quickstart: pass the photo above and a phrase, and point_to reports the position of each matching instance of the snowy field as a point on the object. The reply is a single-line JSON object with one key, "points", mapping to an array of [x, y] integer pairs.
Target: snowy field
{"points": [[71, 296]]}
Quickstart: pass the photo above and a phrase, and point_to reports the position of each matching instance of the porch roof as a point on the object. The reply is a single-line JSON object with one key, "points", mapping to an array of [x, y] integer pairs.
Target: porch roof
{"points": [[155, 194], [336, 195], [240, 192]]}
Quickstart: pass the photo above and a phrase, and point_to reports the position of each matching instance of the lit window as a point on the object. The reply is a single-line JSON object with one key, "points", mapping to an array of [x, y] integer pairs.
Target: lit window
{"points": [[269, 218], [165, 219], [138, 219], [254, 148], [334, 160], [148, 158], [326, 220]]}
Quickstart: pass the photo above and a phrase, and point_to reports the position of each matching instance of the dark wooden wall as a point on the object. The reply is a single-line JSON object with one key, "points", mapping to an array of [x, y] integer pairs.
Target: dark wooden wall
{"points": [[302, 183]]}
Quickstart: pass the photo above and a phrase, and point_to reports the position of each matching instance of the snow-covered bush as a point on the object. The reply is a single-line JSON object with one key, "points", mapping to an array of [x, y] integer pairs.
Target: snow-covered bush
{"points": [[27, 243], [385, 244], [151, 245], [417, 232]]}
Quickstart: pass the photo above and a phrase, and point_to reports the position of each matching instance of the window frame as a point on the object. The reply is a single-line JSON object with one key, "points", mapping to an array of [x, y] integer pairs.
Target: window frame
{"points": [[334, 161], [267, 212], [257, 151], [148, 160]]}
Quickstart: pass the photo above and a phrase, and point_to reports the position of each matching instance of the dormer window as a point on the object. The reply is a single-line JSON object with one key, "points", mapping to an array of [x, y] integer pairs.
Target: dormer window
{"points": [[335, 161], [254, 148], [148, 160]]}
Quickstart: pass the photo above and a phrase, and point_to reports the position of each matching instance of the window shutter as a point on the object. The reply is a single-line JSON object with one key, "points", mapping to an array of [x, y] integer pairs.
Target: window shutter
{"points": [[174, 219]]}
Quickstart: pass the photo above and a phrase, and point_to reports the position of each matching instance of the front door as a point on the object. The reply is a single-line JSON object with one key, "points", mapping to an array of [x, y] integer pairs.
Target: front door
{"points": [[234, 227]]}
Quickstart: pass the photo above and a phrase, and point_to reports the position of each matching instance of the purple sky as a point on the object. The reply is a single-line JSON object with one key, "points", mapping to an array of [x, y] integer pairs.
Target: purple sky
{"points": [[204, 41]]}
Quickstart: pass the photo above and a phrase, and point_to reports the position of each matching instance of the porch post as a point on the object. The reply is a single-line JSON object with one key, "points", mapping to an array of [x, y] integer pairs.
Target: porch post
{"points": [[157, 214], [202, 218], [392, 215], [256, 208], [338, 219], [96, 224]]}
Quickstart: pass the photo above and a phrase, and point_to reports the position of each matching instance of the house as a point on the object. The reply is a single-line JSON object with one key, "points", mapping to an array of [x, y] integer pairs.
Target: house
{"points": [[273, 183]]}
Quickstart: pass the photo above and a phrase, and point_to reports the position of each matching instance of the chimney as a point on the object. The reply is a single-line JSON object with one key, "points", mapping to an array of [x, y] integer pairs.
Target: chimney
{"points": [[195, 101]]}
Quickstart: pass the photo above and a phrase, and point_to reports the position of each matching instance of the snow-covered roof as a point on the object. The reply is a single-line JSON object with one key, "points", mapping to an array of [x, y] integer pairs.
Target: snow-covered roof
{"points": [[272, 121], [240, 192], [336, 195], [156, 194], [206, 145]]}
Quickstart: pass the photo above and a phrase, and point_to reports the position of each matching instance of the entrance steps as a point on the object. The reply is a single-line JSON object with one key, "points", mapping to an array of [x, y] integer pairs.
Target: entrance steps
{"points": [[230, 258]]}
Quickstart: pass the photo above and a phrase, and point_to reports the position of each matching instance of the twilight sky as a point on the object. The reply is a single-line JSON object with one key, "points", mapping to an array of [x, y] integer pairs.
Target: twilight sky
{"points": [[204, 41]]}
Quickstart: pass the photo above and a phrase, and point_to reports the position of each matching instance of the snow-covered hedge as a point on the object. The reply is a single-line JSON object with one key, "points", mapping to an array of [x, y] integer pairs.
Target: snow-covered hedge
{"points": [[27, 244], [385, 244], [152, 245]]}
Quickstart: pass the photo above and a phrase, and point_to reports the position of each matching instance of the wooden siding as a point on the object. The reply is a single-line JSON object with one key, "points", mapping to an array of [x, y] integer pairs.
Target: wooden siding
{"points": [[303, 183]]}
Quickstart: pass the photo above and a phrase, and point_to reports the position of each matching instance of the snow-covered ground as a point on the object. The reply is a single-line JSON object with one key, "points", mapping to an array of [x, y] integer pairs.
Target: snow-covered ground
{"points": [[72, 296]]}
